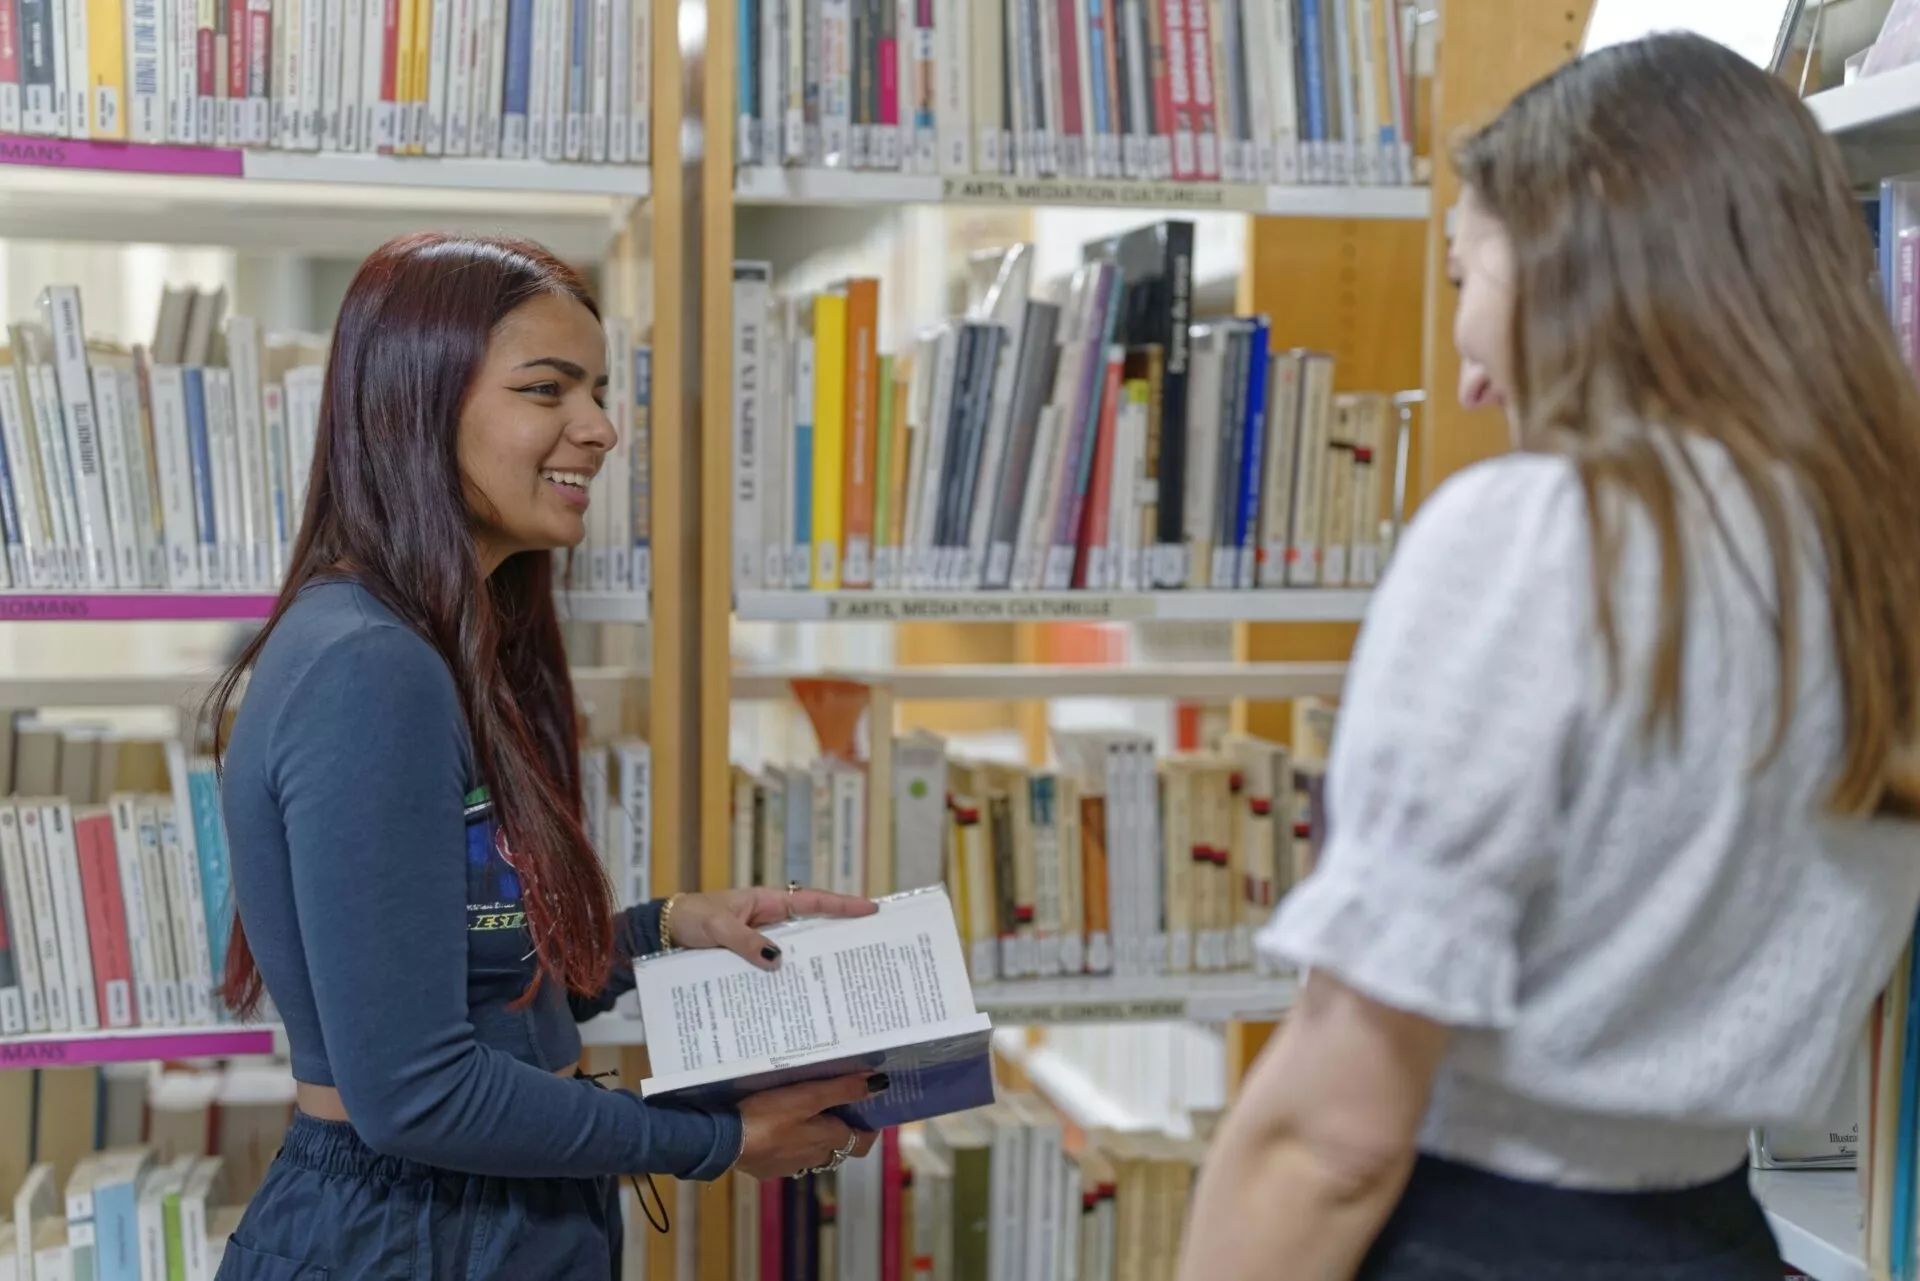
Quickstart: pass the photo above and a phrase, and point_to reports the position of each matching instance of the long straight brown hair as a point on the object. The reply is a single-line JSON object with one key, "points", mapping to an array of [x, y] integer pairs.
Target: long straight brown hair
{"points": [[1691, 259], [386, 506]]}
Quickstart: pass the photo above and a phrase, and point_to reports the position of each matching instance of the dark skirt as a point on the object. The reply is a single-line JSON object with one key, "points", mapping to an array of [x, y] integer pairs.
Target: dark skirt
{"points": [[1457, 1223], [332, 1209]]}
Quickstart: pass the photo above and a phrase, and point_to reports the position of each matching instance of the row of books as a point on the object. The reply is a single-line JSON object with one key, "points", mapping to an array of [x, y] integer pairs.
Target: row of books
{"points": [[1241, 91], [122, 1215], [987, 1193], [1089, 440], [555, 80], [183, 464], [1113, 863]]}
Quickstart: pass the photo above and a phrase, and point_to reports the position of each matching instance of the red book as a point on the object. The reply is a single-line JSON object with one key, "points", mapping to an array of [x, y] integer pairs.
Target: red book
{"points": [[389, 77], [259, 73], [891, 1173], [1200, 62], [106, 916], [239, 31], [1093, 517], [10, 58], [773, 1230], [1159, 68], [1173, 18], [1075, 146]]}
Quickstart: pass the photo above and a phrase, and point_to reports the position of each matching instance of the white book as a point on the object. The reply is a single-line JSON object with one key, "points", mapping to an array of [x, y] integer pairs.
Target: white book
{"points": [[752, 283], [151, 1208], [192, 956], [112, 432], [640, 145], [60, 308], [71, 65], [25, 923], [494, 87], [1276, 486], [133, 894], [178, 518], [231, 518], [439, 75], [376, 114], [353, 44], [50, 442], [285, 37], [776, 445], [140, 478], [42, 895], [260, 69], [146, 92], [884, 993], [836, 83], [69, 912], [600, 66], [620, 84], [33, 563], [243, 356], [538, 68], [459, 77], [920, 568], [312, 76], [614, 496], [203, 1190], [559, 65], [333, 39], [160, 916]]}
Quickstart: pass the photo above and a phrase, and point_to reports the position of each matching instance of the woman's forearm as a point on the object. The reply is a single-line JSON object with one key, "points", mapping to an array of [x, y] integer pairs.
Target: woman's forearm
{"points": [[1272, 1206]]}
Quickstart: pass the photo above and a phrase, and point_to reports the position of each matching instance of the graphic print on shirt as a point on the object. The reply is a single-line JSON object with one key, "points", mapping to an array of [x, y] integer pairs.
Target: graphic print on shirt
{"points": [[493, 887]]}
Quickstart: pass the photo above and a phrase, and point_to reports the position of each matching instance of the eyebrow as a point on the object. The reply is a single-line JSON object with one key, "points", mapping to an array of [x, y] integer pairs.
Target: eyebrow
{"points": [[561, 365]]}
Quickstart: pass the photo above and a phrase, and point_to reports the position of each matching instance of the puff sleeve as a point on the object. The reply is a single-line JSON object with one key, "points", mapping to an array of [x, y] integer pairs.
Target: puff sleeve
{"points": [[1444, 795]]}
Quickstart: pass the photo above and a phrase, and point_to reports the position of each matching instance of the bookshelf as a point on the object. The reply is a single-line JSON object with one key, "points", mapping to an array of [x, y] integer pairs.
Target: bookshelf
{"points": [[1876, 121]]}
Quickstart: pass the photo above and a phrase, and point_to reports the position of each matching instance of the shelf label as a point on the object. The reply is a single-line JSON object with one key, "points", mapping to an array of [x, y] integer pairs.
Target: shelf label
{"points": [[1077, 191], [28, 1054], [133, 607], [118, 157], [215, 1043], [1163, 1009], [1003, 607]]}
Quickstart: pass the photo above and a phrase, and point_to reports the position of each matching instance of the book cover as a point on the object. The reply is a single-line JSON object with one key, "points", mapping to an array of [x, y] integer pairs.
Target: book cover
{"points": [[885, 993]]}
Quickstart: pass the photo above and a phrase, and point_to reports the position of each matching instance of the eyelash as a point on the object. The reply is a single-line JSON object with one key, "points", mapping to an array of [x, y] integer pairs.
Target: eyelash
{"points": [[542, 389]]}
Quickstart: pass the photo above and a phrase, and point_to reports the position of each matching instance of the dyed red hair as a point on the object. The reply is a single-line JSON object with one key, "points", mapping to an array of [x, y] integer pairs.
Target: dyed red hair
{"points": [[386, 506]]}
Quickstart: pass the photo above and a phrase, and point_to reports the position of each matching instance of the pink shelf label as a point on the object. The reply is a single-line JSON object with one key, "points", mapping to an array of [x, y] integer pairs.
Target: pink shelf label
{"points": [[119, 157], [133, 607], [82, 1051]]}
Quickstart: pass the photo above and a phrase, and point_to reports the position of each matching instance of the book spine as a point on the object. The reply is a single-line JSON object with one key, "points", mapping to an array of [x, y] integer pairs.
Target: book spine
{"points": [[13, 1006], [122, 517], [863, 407], [458, 77], [619, 63], [71, 65], [181, 509], [61, 1011], [642, 477], [153, 873], [62, 305], [640, 145], [517, 98], [106, 67], [189, 913], [70, 912], [30, 929], [202, 472], [106, 918], [752, 283], [12, 67], [134, 900]]}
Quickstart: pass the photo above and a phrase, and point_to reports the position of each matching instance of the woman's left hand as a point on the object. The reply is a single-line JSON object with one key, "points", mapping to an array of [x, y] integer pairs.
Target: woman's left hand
{"points": [[730, 918]]}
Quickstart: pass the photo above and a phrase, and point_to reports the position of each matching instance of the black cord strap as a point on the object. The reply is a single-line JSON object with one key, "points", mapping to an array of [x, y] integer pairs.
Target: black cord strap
{"points": [[661, 1224]]}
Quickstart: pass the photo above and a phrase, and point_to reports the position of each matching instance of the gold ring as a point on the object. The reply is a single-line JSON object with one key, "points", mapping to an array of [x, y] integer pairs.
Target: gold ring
{"points": [[791, 887]]}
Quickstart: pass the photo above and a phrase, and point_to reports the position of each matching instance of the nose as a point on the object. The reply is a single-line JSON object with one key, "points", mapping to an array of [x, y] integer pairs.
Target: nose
{"points": [[594, 430]]}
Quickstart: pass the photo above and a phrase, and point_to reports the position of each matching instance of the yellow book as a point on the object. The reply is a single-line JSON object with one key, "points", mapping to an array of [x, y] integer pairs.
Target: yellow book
{"points": [[406, 40], [106, 68], [422, 73], [829, 436]]}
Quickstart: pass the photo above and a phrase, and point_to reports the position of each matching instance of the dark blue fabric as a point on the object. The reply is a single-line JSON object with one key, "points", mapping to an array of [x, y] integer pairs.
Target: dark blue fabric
{"points": [[332, 1209], [1457, 1223], [384, 914]]}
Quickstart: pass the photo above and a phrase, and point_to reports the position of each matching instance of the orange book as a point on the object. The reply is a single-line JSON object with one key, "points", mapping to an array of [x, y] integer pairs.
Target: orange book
{"points": [[1090, 558], [863, 418], [1093, 881]]}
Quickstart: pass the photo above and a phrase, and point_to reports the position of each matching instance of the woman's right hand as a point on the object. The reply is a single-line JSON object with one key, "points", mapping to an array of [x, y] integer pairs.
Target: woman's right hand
{"points": [[787, 1131]]}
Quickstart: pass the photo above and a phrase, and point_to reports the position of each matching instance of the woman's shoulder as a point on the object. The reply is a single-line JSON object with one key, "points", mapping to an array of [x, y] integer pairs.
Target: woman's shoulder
{"points": [[1518, 516], [339, 642]]}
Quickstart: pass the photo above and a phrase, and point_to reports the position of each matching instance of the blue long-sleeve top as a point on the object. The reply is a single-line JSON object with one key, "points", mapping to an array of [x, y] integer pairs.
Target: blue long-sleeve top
{"points": [[387, 924]]}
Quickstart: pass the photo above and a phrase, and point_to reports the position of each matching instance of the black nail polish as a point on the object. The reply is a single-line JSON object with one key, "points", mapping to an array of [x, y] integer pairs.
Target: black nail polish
{"points": [[770, 952], [877, 1082]]}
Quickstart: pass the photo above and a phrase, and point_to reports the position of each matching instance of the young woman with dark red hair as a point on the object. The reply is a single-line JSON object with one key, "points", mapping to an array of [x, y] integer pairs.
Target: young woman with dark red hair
{"points": [[402, 794]]}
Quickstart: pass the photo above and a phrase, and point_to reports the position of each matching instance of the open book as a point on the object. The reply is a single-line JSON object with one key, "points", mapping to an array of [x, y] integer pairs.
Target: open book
{"points": [[882, 993]]}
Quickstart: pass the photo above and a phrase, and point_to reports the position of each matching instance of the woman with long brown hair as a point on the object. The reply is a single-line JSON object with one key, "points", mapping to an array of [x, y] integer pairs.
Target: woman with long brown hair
{"points": [[401, 787], [1620, 815]]}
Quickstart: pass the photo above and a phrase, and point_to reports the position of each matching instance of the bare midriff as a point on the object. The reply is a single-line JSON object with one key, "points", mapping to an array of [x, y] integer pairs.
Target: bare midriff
{"points": [[323, 1103]]}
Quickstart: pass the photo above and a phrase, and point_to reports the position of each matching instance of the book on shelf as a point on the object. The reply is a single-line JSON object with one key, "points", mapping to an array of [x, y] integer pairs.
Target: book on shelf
{"points": [[885, 993], [1171, 91], [114, 884], [122, 1214], [1113, 862], [182, 464], [1089, 440], [995, 1191], [545, 80]]}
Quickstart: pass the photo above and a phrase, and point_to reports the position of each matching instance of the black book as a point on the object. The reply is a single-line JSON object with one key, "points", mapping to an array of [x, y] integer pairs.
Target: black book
{"points": [[1156, 273]]}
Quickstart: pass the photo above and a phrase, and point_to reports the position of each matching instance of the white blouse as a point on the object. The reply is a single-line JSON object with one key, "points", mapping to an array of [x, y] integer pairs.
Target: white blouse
{"points": [[1644, 948]]}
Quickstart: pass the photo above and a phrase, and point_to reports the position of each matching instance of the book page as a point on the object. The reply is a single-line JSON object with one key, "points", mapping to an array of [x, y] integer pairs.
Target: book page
{"points": [[896, 976]]}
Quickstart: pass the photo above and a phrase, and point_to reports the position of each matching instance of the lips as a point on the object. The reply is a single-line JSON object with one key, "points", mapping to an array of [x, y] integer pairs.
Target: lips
{"points": [[571, 486]]}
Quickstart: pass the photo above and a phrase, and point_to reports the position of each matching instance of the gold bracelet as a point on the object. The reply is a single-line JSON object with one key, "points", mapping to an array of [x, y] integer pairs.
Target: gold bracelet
{"points": [[666, 923]]}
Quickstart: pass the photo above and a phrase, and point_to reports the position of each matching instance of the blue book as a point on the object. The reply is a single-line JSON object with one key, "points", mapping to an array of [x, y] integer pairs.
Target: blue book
{"points": [[1252, 455], [517, 83], [642, 506], [210, 843], [885, 994], [118, 1176], [195, 381]]}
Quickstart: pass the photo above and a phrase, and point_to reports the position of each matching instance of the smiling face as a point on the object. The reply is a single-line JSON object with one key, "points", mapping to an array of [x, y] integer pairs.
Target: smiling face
{"points": [[1481, 264], [534, 429]]}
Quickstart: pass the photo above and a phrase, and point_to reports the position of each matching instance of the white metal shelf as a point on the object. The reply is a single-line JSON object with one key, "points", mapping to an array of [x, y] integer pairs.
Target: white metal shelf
{"points": [[326, 204], [763, 185], [1876, 121], [989, 681], [1277, 605], [1816, 1219]]}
